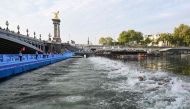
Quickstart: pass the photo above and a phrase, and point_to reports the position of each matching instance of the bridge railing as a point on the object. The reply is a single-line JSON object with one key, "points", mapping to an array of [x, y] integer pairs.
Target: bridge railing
{"points": [[8, 58], [19, 36]]}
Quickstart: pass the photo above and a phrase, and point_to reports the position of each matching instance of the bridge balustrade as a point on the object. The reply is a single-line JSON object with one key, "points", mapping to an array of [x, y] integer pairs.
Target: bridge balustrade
{"points": [[23, 38]]}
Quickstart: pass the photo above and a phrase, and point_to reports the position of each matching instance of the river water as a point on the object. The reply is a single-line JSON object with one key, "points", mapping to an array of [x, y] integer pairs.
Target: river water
{"points": [[101, 83]]}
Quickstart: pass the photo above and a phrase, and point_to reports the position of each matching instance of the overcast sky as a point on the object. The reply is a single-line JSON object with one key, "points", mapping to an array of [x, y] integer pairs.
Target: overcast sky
{"points": [[81, 19]]}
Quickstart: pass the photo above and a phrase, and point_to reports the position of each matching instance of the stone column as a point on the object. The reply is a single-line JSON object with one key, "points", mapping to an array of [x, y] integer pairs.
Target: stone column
{"points": [[58, 30], [56, 37], [55, 30]]}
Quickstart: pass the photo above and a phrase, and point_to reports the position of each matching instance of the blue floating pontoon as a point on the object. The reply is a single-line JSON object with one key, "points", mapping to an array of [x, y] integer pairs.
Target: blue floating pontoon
{"points": [[11, 65]]}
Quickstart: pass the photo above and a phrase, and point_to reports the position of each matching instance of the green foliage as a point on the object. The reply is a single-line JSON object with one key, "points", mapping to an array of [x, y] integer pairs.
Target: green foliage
{"points": [[163, 37], [109, 41], [102, 41], [147, 41], [182, 35], [123, 37], [166, 37], [130, 36], [106, 41]]}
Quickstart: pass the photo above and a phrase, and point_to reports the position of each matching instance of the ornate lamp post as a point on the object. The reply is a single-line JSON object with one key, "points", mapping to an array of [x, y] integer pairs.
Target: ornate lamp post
{"points": [[7, 24], [18, 27], [34, 35], [40, 37], [27, 32], [49, 37]]}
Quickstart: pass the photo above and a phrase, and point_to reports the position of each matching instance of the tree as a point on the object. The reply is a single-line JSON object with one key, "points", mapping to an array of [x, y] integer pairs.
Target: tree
{"points": [[123, 38], [102, 41], [106, 41], [136, 36], [147, 41], [130, 36], [109, 41], [165, 38], [182, 35]]}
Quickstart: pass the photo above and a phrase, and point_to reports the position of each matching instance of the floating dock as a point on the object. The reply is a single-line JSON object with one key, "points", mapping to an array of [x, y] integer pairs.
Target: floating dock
{"points": [[10, 66]]}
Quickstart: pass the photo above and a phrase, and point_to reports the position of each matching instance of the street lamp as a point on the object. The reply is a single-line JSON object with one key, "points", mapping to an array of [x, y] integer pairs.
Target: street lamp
{"points": [[40, 37], [27, 32], [49, 37], [18, 27], [7, 24], [34, 35]]}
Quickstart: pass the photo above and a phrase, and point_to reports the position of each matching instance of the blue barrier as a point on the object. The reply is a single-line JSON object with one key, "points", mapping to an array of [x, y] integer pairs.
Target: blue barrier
{"points": [[9, 58], [11, 65]]}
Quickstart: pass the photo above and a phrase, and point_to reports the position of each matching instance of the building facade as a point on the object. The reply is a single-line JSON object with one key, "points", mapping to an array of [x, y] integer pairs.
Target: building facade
{"points": [[154, 40]]}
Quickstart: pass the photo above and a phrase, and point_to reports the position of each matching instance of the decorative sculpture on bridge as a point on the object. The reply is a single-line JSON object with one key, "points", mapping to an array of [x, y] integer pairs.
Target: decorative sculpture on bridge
{"points": [[56, 23], [56, 15]]}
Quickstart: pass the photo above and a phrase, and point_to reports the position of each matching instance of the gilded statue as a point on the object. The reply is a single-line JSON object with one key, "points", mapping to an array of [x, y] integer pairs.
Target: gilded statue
{"points": [[56, 15]]}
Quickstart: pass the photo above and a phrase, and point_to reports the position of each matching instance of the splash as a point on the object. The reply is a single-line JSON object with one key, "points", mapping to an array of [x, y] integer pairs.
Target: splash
{"points": [[159, 89]]}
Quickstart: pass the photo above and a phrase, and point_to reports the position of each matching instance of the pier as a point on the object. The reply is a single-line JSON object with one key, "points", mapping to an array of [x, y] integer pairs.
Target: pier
{"points": [[10, 64]]}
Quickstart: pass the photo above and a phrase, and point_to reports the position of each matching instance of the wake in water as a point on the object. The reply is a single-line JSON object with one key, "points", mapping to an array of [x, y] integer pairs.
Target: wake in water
{"points": [[141, 88]]}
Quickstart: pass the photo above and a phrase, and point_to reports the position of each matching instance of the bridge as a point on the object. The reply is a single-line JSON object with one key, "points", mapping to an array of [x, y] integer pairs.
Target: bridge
{"points": [[12, 43], [101, 50], [18, 52], [175, 51]]}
